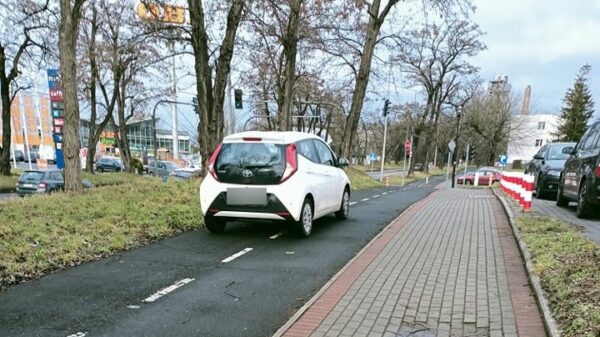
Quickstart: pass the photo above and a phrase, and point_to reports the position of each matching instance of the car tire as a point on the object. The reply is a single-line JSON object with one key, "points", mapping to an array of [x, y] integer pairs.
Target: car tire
{"points": [[561, 201], [539, 193], [304, 225], [583, 209], [214, 225], [100, 169], [469, 182], [342, 214]]}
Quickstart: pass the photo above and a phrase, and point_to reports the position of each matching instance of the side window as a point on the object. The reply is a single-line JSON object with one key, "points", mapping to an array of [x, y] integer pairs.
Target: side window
{"points": [[325, 155], [307, 149], [542, 151], [590, 141], [56, 176]]}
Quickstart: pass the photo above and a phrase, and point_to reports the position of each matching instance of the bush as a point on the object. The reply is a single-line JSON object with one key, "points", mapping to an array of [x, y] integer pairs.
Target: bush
{"points": [[137, 165]]}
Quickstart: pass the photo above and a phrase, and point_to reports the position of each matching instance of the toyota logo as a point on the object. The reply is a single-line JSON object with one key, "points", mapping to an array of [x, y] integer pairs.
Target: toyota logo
{"points": [[247, 173]]}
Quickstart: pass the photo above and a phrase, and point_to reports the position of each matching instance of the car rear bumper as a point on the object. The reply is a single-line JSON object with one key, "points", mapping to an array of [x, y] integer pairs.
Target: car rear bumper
{"points": [[273, 210], [23, 192]]}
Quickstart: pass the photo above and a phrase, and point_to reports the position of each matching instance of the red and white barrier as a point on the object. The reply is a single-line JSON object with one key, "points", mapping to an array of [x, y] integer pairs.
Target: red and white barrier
{"points": [[518, 186]]}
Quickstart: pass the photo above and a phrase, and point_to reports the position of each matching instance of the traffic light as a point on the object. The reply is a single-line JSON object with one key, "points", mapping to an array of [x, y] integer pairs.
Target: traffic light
{"points": [[195, 104], [386, 107], [238, 98], [472, 152]]}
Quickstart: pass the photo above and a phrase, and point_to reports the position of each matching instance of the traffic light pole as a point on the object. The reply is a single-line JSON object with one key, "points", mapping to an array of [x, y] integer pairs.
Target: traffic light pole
{"points": [[458, 112], [468, 153], [383, 151]]}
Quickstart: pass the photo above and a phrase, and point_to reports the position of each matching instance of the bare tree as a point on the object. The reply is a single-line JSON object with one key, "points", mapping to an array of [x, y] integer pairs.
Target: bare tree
{"points": [[22, 40], [211, 95], [70, 17]]}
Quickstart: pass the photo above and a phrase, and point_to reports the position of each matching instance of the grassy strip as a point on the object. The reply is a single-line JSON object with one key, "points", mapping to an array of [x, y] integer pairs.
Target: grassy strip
{"points": [[111, 179], [45, 233], [568, 265], [7, 183], [377, 166], [360, 180], [397, 179]]}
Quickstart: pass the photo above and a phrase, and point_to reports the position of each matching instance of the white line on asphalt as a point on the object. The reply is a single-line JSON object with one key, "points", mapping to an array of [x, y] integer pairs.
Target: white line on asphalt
{"points": [[79, 334], [167, 290], [376, 196], [236, 255], [384, 193], [133, 306], [352, 203], [364, 199], [275, 236]]}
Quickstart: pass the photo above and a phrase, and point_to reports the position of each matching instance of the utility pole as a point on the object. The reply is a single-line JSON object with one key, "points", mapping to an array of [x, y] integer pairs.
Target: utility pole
{"points": [[466, 162], [458, 113], [406, 154], [24, 130], [174, 135], [385, 114]]}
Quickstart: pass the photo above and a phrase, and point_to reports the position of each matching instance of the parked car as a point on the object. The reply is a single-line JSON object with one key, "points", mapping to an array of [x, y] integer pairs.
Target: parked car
{"points": [[109, 164], [485, 174], [290, 176], [185, 173], [162, 168], [580, 177], [418, 167], [546, 166], [43, 181], [18, 156], [33, 156]]}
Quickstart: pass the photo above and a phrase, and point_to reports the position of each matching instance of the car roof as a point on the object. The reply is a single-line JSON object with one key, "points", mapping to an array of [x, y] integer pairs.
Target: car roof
{"points": [[278, 137], [562, 144]]}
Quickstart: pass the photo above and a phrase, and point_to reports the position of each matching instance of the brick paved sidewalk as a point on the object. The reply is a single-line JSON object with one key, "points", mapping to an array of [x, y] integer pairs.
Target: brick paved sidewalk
{"points": [[448, 266]]}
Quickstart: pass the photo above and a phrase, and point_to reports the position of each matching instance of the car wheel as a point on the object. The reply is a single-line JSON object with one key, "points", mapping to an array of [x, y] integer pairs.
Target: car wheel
{"points": [[342, 214], [539, 193], [469, 182], [304, 225], [100, 169], [214, 225], [583, 207], [561, 201]]}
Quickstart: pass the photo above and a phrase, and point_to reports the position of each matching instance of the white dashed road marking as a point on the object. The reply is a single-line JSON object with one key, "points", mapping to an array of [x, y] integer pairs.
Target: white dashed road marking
{"points": [[275, 236], [236, 255], [384, 193], [364, 199], [352, 203], [79, 334], [167, 290], [376, 196]]}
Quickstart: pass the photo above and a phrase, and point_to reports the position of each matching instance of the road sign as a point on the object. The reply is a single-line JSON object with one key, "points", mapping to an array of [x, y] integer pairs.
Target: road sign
{"points": [[372, 156], [452, 145], [503, 159], [407, 146]]}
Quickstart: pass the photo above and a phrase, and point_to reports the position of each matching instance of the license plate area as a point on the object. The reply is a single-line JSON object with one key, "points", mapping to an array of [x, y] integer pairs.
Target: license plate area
{"points": [[247, 196], [28, 185]]}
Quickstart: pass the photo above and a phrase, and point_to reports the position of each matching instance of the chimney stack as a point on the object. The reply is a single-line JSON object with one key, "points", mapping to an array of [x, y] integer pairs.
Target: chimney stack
{"points": [[526, 100]]}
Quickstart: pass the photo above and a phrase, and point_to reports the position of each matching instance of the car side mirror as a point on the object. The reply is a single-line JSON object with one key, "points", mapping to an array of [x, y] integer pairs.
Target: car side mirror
{"points": [[343, 162], [568, 150], [538, 157]]}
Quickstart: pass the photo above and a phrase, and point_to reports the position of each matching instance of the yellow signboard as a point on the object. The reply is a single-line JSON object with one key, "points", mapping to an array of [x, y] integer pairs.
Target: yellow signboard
{"points": [[167, 13]]}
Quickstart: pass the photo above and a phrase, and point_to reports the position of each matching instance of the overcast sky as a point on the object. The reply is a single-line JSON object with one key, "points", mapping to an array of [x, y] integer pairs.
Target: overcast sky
{"points": [[540, 43]]}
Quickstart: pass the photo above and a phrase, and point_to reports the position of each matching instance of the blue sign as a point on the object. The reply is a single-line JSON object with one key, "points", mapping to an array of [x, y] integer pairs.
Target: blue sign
{"points": [[53, 79], [503, 159], [372, 156], [60, 159]]}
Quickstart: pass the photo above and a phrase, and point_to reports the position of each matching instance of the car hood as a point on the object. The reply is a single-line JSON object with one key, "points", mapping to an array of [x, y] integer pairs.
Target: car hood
{"points": [[555, 164]]}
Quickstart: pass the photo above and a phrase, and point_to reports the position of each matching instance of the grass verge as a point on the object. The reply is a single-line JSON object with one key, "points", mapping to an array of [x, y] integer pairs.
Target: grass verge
{"points": [[360, 180], [112, 179], [45, 233], [568, 265]]}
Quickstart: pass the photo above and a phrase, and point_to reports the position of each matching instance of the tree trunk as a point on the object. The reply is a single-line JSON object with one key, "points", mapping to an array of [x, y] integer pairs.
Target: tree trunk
{"points": [[69, 31], [290, 50], [6, 130], [122, 140], [362, 80], [92, 141]]}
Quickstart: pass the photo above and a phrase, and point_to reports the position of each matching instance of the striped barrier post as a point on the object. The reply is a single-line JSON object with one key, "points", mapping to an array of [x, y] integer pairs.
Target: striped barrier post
{"points": [[529, 178]]}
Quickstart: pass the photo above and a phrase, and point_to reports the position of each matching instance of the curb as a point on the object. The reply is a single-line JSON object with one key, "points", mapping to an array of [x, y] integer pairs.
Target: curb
{"points": [[283, 329], [540, 296]]}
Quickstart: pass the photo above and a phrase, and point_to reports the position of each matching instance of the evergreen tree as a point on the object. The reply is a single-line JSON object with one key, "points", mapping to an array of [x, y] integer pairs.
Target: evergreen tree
{"points": [[578, 108]]}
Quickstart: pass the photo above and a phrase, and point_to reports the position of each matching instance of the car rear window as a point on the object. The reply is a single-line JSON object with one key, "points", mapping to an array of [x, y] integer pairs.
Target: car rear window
{"points": [[251, 163], [32, 175]]}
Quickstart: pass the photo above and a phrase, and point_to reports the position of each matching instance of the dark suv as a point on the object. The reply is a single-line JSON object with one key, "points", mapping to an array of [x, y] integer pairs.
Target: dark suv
{"points": [[580, 178], [109, 164], [546, 167]]}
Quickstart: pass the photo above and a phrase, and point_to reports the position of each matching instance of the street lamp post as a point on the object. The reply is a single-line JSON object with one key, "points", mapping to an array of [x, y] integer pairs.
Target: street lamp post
{"points": [[458, 113]]}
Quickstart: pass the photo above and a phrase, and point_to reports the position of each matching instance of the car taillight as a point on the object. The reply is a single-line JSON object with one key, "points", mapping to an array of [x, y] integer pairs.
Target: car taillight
{"points": [[42, 186], [211, 162], [598, 171], [291, 162]]}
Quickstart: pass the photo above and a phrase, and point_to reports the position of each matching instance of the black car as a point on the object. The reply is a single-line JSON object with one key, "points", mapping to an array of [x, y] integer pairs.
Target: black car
{"points": [[109, 164], [580, 178], [546, 166], [18, 156], [43, 181]]}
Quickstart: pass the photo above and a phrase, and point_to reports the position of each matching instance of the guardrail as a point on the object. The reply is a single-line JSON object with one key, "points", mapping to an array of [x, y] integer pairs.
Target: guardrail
{"points": [[519, 186]]}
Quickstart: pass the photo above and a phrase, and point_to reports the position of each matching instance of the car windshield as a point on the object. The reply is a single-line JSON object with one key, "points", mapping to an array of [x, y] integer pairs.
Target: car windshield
{"points": [[555, 153], [32, 175]]}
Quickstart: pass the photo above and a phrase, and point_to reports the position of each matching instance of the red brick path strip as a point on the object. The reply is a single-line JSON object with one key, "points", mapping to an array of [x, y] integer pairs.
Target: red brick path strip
{"points": [[527, 314], [318, 311]]}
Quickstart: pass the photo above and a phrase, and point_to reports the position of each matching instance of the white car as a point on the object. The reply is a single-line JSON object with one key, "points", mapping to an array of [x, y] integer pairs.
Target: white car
{"points": [[289, 176]]}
